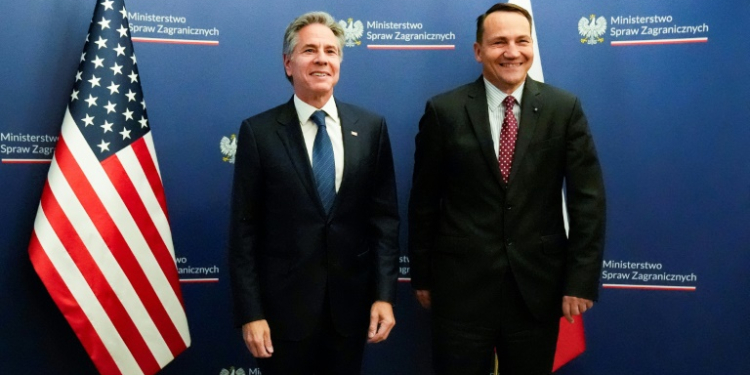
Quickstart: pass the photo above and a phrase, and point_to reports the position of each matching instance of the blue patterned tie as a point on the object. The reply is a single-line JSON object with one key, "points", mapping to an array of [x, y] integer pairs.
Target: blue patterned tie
{"points": [[323, 163]]}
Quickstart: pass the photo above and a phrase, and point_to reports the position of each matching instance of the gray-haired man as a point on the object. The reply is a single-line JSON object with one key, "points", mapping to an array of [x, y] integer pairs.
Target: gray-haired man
{"points": [[314, 227]]}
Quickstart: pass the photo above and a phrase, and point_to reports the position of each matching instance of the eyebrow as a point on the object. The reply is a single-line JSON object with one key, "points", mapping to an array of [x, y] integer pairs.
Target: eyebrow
{"points": [[315, 45], [504, 37]]}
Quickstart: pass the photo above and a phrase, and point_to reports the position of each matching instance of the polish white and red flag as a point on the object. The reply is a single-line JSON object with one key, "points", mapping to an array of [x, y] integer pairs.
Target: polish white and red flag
{"points": [[101, 242]]}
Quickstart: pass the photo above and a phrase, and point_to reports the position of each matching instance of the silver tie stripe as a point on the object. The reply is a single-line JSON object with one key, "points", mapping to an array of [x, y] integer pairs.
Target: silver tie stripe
{"points": [[323, 164]]}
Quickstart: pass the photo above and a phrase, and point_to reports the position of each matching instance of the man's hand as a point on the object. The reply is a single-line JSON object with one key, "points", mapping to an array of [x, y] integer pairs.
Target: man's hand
{"points": [[257, 337], [423, 296], [381, 322], [572, 306]]}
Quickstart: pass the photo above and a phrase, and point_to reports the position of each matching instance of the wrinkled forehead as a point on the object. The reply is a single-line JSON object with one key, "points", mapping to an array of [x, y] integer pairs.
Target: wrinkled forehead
{"points": [[316, 34], [506, 24]]}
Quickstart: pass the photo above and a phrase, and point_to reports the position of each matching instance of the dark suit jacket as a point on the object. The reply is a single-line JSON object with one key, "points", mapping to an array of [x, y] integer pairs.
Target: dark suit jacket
{"points": [[286, 255], [467, 228]]}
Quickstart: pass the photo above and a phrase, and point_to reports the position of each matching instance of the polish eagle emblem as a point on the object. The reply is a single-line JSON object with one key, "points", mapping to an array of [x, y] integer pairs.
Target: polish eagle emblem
{"points": [[592, 29], [232, 371], [228, 146], [353, 30]]}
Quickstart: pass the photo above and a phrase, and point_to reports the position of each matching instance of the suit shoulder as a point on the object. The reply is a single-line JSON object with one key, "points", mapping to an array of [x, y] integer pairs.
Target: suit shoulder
{"points": [[553, 92], [360, 112], [452, 95], [267, 117]]}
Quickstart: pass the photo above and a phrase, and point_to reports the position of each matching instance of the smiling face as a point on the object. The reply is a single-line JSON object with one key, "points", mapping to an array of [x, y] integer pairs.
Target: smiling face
{"points": [[506, 50], [314, 64]]}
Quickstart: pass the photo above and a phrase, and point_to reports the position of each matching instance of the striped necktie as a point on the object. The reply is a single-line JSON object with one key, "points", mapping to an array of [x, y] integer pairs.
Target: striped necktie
{"points": [[323, 164]]}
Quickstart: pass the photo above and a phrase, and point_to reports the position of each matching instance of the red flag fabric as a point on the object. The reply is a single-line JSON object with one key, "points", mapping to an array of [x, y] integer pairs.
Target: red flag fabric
{"points": [[101, 242], [570, 342]]}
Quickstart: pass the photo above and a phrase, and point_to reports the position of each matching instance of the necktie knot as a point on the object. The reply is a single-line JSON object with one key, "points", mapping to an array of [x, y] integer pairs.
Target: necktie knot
{"points": [[319, 118], [509, 102]]}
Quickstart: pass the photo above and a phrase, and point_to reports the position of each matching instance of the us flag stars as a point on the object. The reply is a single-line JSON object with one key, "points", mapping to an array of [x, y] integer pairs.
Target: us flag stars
{"points": [[109, 65], [98, 62], [107, 5]]}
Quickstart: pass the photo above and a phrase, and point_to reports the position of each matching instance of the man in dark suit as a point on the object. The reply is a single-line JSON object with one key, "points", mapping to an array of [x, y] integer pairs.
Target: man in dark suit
{"points": [[313, 248], [488, 248]]}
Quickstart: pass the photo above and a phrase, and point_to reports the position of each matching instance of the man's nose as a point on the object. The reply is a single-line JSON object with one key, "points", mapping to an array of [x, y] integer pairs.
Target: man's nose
{"points": [[511, 51], [321, 58]]}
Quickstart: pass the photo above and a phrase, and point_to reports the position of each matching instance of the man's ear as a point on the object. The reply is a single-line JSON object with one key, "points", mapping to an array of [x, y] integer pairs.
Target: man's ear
{"points": [[287, 62]]}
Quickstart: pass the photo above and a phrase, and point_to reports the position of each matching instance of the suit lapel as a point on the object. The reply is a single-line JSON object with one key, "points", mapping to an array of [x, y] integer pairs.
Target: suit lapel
{"points": [[350, 130], [476, 108], [294, 142], [529, 114]]}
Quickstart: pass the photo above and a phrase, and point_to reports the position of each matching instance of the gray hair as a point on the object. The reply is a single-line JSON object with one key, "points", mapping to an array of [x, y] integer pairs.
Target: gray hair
{"points": [[291, 35]]}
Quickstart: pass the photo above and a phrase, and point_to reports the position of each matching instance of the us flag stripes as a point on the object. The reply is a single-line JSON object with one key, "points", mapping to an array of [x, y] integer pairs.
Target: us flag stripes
{"points": [[101, 242]]}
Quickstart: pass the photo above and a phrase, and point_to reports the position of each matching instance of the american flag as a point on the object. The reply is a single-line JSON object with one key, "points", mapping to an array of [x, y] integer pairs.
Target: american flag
{"points": [[101, 242]]}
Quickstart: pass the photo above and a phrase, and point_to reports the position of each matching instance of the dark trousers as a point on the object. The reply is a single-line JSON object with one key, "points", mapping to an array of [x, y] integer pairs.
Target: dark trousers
{"points": [[325, 352], [524, 345]]}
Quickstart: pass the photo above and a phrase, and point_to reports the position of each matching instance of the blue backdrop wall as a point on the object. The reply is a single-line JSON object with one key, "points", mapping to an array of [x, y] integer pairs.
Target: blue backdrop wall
{"points": [[665, 89]]}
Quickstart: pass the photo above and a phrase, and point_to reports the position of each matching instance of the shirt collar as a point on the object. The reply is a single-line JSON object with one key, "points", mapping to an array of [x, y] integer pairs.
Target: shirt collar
{"points": [[304, 110], [495, 97]]}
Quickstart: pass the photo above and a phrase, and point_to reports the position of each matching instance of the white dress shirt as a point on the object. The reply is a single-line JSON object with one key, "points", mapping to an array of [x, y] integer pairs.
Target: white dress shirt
{"points": [[496, 110], [333, 126]]}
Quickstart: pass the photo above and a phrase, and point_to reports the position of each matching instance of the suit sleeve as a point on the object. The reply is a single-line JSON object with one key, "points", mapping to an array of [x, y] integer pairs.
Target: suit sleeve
{"points": [[244, 222], [584, 187], [384, 220], [424, 200]]}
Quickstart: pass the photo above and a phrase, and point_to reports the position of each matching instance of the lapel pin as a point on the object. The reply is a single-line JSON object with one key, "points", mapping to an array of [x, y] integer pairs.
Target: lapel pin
{"points": [[354, 134], [536, 109]]}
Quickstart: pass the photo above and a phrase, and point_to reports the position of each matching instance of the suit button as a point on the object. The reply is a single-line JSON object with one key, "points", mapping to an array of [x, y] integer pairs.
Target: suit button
{"points": [[510, 243], [508, 207]]}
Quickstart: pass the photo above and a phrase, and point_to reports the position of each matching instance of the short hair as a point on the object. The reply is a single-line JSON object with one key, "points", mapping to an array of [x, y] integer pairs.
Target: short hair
{"points": [[291, 35], [500, 7]]}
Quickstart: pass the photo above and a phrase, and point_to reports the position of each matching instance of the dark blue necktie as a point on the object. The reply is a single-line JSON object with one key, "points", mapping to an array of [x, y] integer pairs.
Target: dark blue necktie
{"points": [[323, 164]]}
